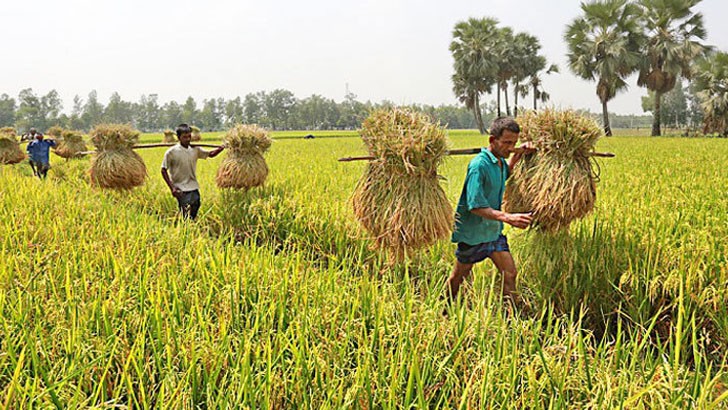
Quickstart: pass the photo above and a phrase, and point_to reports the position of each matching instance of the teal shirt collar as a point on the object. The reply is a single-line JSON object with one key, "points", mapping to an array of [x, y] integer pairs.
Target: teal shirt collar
{"points": [[490, 155]]}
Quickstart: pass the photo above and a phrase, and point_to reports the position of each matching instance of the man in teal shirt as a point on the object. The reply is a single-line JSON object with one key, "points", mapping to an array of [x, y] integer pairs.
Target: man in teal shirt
{"points": [[479, 219]]}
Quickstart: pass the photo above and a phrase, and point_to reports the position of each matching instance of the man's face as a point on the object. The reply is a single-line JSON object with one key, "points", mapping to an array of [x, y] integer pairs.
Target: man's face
{"points": [[185, 139], [39, 137], [504, 146]]}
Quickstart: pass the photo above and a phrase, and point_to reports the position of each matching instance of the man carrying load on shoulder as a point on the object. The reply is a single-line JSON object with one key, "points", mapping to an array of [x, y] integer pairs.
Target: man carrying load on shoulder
{"points": [[39, 155], [479, 219], [179, 170]]}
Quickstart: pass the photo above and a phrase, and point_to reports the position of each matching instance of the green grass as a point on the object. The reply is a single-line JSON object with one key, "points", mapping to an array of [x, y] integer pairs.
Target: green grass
{"points": [[273, 298]]}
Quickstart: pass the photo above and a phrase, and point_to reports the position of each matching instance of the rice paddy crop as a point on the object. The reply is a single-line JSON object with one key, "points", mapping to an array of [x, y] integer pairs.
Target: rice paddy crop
{"points": [[271, 300]]}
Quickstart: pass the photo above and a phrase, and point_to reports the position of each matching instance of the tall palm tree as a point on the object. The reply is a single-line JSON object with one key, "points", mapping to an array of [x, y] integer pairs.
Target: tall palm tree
{"points": [[503, 53], [527, 62], [537, 86], [475, 69], [711, 83], [672, 34], [604, 46]]}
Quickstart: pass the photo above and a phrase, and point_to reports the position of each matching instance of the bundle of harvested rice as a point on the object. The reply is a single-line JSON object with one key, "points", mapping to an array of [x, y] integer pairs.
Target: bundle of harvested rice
{"points": [[399, 200], [115, 164], [55, 132], [244, 167], [169, 136], [196, 136], [10, 152], [70, 145], [557, 182]]}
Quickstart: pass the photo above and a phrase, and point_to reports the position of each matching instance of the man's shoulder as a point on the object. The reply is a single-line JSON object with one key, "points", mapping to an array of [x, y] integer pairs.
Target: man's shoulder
{"points": [[172, 149]]}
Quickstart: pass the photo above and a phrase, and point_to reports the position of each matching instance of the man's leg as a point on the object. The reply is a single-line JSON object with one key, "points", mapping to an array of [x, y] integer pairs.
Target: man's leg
{"points": [[194, 203], [503, 260], [183, 200], [44, 170], [458, 275], [32, 166]]}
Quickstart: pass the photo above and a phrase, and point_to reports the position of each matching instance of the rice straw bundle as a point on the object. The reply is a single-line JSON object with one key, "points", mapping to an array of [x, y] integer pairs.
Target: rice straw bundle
{"points": [[244, 167], [557, 182], [169, 136], [10, 152], [70, 144], [399, 200], [196, 136], [55, 131], [115, 164]]}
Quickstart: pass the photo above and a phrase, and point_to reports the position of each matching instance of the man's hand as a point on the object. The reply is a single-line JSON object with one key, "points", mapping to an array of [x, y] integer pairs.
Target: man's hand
{"points": [[176, 192], [527, 147], [519, 220]]}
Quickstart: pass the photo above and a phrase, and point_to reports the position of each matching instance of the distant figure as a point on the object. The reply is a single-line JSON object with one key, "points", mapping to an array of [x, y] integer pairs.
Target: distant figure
{"points": [[309, 137], [179, 168], [29, 136], [39, 153]]}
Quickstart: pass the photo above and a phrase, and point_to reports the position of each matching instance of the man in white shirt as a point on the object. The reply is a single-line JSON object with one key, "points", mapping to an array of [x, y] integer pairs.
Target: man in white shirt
{"points": [[179, 168]]}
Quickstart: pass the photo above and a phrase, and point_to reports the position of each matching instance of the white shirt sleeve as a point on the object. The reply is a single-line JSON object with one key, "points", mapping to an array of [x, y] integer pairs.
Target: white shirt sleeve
{"points": [[165, 164]]}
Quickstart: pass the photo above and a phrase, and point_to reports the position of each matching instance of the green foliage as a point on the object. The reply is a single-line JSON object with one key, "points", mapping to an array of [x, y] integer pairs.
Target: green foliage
{"points": [[711, 84], [672, 43], [604, 46]]}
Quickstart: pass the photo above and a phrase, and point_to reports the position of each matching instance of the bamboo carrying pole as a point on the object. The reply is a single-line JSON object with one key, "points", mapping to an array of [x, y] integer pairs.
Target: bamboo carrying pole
{"points": [[161, 144], [469, 151]]}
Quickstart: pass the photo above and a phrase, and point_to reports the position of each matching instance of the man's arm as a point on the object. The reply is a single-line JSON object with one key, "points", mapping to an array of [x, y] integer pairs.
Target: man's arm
{"points": [[175, 191], [525, 148], [518, 220], [216, 151]]}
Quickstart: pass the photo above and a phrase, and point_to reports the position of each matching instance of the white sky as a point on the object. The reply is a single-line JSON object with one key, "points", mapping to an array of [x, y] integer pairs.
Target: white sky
{"points": [[395, 50]]}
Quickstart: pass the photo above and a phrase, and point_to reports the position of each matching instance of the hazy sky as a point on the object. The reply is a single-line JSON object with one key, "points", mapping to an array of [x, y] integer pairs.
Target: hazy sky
{"points": [[395, 50]]}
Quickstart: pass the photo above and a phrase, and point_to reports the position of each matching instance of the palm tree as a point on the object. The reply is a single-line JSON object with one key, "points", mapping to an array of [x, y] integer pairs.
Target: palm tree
{"points": [[503, 53], [475, 69], [604, 46], [711, 83], [672, 34], [526, 62], [537, 86]]}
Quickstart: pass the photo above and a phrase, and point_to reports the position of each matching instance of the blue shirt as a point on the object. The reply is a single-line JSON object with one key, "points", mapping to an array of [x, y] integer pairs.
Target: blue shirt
{"points": [[484, 185], [39, 150]]}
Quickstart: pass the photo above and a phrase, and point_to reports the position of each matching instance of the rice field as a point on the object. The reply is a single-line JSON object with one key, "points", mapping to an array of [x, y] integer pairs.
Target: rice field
{"points": [[275, 299]]}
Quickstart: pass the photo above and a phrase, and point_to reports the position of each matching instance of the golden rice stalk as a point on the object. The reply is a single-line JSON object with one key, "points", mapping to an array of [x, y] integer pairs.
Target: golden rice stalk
{"points": [[557, 182], [70, 144], [244, 166], [399, 200], [169, 136], [196, 136], [115, 164], [10, 152]]}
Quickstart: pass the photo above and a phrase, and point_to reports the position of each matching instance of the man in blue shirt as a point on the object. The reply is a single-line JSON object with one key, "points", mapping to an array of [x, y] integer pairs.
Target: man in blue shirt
{"points": [[479, 219], [39, 155]]}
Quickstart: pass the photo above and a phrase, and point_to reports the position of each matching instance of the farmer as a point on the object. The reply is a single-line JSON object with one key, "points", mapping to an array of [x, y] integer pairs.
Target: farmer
{"points": [[479, 219], [179, 171], [38, 155], [29, 135]]}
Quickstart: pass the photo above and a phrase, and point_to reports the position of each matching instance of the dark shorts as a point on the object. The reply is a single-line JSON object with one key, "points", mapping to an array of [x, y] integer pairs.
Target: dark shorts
{"points": [[40, 166], [476, 253], [189, 203]]}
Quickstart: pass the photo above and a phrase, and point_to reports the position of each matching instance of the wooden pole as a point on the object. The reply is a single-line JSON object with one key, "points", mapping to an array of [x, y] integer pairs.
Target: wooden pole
{"points": [[161, 144], [469, 151]]}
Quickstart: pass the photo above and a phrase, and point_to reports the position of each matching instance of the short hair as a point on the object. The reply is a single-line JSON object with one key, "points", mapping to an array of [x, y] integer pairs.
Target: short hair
{"points": [[501, 124], [183, 129]]}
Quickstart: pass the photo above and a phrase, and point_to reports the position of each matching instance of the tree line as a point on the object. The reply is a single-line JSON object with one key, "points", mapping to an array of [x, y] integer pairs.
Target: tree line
{"points": [[660, 41], [277, 110]]}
